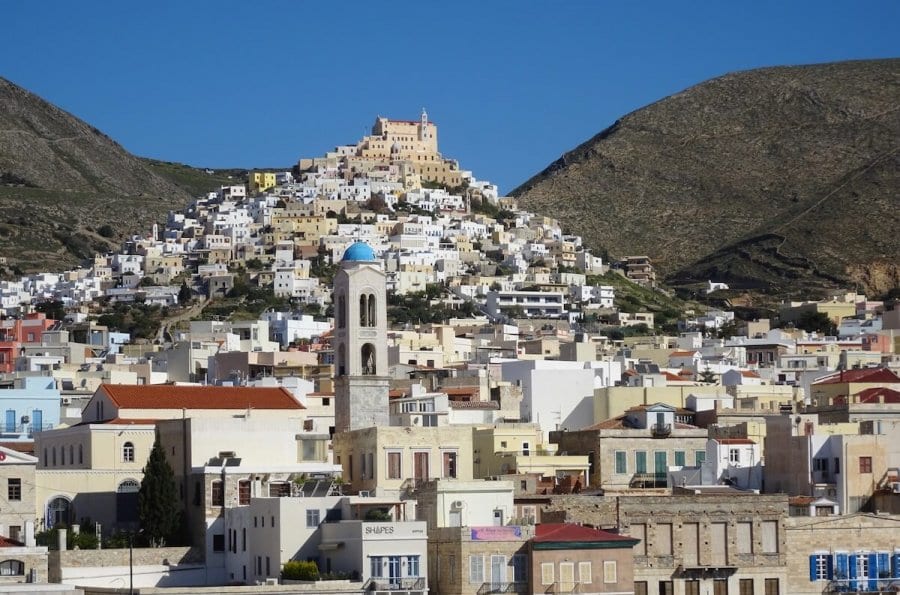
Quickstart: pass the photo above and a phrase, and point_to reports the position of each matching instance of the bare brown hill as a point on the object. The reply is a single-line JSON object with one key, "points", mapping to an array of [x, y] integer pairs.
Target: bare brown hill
{"points": [[63, 181], [784, 180]]}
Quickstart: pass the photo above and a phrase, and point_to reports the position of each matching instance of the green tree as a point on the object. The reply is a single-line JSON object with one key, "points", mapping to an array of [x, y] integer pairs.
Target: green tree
{"points": [[707, 376], [184, 294], [158, 500], [817, 322], [54, 309]]}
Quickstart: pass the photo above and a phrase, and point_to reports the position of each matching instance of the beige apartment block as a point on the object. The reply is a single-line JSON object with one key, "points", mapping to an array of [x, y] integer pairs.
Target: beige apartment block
{"points": [[733, 542]]}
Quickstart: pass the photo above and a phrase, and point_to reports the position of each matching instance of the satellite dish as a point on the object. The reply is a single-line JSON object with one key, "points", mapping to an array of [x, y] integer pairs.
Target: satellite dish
{"points": [[797, 420]]}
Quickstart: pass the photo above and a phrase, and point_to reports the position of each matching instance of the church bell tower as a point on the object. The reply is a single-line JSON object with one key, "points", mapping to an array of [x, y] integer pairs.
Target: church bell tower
{"points": [[361, 383]]}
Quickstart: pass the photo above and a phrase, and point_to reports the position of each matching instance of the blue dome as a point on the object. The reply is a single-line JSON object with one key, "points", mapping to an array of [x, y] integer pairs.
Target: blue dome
{"points": [[360, 251]]}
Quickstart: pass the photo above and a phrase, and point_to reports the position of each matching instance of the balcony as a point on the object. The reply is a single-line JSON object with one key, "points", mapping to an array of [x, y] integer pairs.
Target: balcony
{"points": [[649, 480], [660, 430], [516, 587], [561, 587], [386, 585]]}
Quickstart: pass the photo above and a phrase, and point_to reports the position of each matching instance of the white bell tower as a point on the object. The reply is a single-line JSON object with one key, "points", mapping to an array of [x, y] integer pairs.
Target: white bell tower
{"points": [[361, 383]]}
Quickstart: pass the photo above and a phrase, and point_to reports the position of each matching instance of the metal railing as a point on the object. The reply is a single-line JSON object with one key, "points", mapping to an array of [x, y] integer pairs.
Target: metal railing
{"points": [[661, 429], [563, 587], [395, 584], [515, 587]]}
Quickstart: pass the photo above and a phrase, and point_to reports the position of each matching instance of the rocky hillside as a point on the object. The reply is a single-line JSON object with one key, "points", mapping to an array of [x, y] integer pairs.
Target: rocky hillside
{"points": [[62, 182], [782, 180]]}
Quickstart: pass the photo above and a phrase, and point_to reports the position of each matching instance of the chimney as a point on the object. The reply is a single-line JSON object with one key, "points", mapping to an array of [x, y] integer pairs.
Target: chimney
{"points": [[29, 534]]}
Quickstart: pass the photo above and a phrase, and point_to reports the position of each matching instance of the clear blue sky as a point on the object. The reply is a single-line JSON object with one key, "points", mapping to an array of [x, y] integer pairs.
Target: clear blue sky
{"points": [[511, 85]]}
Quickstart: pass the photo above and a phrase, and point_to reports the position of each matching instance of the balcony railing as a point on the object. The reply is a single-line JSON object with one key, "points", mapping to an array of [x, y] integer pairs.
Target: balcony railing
{"points": [[515, 587], [396, 584], [562, 587], [649, 480], [660, 430]]}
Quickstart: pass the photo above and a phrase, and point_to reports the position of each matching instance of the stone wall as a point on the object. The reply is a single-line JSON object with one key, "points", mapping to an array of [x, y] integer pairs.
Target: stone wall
{"points": [[166, 556]]}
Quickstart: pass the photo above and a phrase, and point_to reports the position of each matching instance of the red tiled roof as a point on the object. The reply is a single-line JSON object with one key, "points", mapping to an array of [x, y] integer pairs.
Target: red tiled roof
{"points": [[563, 532], [7, 542], [873, 395], [682, 354], [734, 441], [459, 390], [864, 375], [23, 447], [749, 374], [673, 377], [155, 396]]}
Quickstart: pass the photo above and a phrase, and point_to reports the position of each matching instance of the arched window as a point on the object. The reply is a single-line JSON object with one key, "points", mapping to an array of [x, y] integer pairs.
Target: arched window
{"points": [[342, 312], [128, 452], [363, 310], [59, 511], [373, 318], [62, 456], [12, 568], [367, 354]]}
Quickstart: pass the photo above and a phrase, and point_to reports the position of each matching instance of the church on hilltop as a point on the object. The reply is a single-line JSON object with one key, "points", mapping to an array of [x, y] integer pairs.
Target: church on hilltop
{"points": [[410, 146]]}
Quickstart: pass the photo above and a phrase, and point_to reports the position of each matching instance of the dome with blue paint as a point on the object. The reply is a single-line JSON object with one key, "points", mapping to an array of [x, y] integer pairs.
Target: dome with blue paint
{"points": [[359, 252]]}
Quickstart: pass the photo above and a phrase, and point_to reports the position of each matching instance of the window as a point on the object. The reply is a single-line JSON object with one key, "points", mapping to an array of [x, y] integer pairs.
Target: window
{"points": [[621, 462], [680, 458], [12, 568], [640, 587], [720, 587], [769, 537], [59, 511], [821, 567], [699, 457], [10, 420], [15, 532], [547, 573], [820, 464], [837, 465], [449, 464], [745, 586], [375, 566], [666, 588], [692, 587], [476, 569], [865, 464], [640, 461], [268, 566], [393, 459], [610, 572], [244, 539], [744, 537], [128, 452], [217, 493], [219, 542], [80, 454], [412, 566], [734, 456], [244, 492], [772, 586], [279, 489], [312, 517], [14, 489]]}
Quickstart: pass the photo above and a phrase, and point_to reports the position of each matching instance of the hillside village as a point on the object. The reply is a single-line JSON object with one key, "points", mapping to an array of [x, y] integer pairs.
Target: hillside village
{"points": [[375, 373]]}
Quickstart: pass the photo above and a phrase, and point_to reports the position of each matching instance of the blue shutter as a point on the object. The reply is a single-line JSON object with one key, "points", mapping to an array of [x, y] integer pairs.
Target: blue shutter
{"points": [[829, 563], [37, 420], [896, 565], [851, 564], [873, 571], [841, 562], [812, 567], [10, 420]]}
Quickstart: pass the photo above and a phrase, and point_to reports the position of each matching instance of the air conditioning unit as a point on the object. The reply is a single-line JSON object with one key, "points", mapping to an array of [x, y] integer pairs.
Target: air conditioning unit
{"points": [[271, 581], [895, 487], [457, 504], [25, 419], [365, 494]]}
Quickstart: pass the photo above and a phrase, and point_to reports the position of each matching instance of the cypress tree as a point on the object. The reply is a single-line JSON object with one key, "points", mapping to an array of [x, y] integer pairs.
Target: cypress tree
{"points": [[184, 294], [158, 499]]}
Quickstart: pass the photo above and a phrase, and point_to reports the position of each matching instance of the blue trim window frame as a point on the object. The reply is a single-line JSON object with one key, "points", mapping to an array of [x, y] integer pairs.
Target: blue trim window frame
{"points": [[10, 420], [821, 566]]}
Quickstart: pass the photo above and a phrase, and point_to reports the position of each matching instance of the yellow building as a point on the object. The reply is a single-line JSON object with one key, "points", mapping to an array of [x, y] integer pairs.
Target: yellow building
{"points": [[394, 459], [260, 181], [512, 448]]}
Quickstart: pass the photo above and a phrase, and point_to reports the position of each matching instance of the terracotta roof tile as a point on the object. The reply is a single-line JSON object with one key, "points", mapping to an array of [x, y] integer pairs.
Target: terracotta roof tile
{"points": [[7, 542], [875, 395], [864, 375], [157, 396]]}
